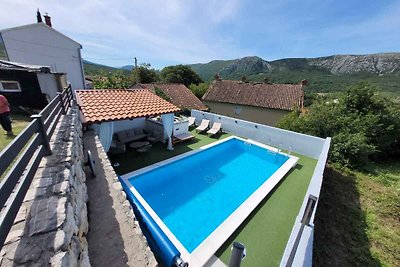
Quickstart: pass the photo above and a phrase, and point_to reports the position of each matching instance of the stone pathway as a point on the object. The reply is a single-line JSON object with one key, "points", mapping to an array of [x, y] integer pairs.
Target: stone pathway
{"points": [[114, 237]]}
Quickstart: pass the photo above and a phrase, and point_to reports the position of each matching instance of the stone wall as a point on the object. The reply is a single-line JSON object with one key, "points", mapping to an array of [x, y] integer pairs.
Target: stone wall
{"points": [[51, 225]]}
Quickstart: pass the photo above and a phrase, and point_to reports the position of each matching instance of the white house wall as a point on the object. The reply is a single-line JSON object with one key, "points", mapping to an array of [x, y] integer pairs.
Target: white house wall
{"points": [[41, 45], [129, 124], [48, 84]]}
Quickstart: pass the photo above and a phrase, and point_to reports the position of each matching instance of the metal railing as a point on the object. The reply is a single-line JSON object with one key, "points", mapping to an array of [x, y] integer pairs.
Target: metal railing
{"points": [[23, 155], [305, 221]]}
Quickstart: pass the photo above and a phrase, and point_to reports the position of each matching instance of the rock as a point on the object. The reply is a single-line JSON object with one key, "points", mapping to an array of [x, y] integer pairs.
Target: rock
{"points": [[117, 186], [61, 259], [42, 182], [60, 242], [26, 252], [21, 215], [69, 226], [83, 222], [34, 193], [61, 188], [47, 215], [13, 236], [85, 260]]}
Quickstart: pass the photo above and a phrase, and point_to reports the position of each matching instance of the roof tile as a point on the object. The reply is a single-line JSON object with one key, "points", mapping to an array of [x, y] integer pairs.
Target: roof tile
{"points": [[119, 104], [178, 93], [274, 96]]}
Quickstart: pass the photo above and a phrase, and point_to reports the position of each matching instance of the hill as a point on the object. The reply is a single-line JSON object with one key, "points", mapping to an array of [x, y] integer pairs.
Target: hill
{"points": [[127, 67], [92, 68], [325, 74]]}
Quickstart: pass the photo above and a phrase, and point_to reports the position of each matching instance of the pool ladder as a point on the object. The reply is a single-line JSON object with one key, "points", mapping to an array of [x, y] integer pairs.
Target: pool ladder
{"points": [[180, 263]]}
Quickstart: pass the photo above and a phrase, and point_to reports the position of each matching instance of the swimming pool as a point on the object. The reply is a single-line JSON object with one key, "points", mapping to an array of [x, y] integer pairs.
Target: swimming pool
{"points": [[198, 199]]}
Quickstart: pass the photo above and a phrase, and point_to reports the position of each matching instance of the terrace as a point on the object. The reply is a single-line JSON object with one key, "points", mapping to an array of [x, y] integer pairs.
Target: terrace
{"points": [[276, 226], [269, 232], [266, 231]]}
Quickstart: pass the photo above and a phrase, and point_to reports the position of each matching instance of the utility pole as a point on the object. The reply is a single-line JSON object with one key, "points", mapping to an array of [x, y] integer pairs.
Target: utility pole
{"points": [[137, 71]]}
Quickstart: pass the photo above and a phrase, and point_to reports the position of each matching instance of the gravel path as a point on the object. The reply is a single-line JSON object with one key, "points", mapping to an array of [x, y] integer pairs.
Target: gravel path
{"points": [[114, 238]]}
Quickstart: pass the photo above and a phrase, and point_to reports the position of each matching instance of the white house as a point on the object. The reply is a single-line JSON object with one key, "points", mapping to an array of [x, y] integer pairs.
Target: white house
{"points": [[40, 44]]}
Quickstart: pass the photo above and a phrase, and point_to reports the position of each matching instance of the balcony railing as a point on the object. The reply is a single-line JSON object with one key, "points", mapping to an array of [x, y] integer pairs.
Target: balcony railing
{"points": [[20, 159]]}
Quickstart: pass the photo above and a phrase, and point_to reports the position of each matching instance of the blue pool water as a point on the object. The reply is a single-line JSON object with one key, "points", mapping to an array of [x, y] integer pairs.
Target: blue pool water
{"points": [[194, 195]]}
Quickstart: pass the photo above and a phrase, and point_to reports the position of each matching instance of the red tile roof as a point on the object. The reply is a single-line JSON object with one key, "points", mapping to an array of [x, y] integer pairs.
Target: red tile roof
{"points": [[120, 104], [274, 96], [178, 94]]}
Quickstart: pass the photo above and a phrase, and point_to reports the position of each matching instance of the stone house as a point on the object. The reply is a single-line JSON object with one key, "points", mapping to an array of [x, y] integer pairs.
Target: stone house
{"points": [[176, 93], [258, 102]]}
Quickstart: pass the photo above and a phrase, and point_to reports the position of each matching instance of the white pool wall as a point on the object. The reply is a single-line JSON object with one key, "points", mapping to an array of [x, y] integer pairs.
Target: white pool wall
{"points": [[303, 144]]}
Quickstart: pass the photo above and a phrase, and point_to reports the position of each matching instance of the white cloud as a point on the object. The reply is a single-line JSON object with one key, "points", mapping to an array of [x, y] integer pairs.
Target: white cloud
{"points": [[179, 31], [170, 31]]}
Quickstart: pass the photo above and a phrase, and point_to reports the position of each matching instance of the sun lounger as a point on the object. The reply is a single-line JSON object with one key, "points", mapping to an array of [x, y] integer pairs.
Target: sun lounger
{"points": [[203, 126], [191, 121], [182, 137], [215, 128]]}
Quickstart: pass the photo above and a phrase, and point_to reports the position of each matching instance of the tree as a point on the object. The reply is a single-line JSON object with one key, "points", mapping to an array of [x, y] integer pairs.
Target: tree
{"points": [[180, 74], [145, 74], [199, 90], [116, 80], [363, 125]]}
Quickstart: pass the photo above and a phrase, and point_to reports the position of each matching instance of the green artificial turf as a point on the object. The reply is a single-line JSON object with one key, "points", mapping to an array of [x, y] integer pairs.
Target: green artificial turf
{"points": [[132, 160], [266, 231]]}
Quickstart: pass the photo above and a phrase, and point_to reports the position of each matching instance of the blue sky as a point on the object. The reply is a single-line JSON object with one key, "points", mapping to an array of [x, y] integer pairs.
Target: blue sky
{"points": [[180, 32]]}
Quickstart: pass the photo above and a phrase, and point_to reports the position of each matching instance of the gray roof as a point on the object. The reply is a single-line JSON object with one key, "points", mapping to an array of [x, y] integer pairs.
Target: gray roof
{"points": [[8, 65]]}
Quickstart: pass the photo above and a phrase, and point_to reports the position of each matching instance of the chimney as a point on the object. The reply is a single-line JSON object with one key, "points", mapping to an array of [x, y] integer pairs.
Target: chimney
{"points": [[304, 82], [217, 77], [47, 19], [39, 16]]}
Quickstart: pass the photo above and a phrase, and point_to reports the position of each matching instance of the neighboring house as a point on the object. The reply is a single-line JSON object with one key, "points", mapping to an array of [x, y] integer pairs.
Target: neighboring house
{"points": [[40, 44], [29, 85], [257, 102], [176, 93]]}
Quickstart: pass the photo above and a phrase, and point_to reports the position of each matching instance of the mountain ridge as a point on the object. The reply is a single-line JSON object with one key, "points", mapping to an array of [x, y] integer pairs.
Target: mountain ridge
{"points": [[328, 73]]}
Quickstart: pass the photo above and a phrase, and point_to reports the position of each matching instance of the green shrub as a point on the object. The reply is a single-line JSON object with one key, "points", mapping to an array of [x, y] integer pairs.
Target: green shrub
{"points": [[362, 124]]}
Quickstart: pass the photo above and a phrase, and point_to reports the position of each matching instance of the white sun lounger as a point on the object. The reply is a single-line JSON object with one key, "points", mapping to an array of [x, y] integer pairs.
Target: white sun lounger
{"points": [[203, 126], [191, 121], [215, 128], [182, 137]]}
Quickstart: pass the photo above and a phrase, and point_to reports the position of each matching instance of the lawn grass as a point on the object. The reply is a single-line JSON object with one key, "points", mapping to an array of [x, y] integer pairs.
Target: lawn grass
{"points": [[358, 217], [19, 123]]}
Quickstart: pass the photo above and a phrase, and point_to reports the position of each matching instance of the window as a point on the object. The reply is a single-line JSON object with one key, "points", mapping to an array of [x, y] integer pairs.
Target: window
{"points": [[3, 52], [238, 110], [10, 86]]}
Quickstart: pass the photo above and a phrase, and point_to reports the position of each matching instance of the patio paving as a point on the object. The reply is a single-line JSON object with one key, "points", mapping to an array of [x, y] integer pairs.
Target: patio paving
{"points": [[266, 231]]}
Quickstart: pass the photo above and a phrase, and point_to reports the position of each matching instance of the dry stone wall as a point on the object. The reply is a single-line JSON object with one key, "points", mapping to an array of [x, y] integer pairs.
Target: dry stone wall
{"points": [[51, 226]]}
